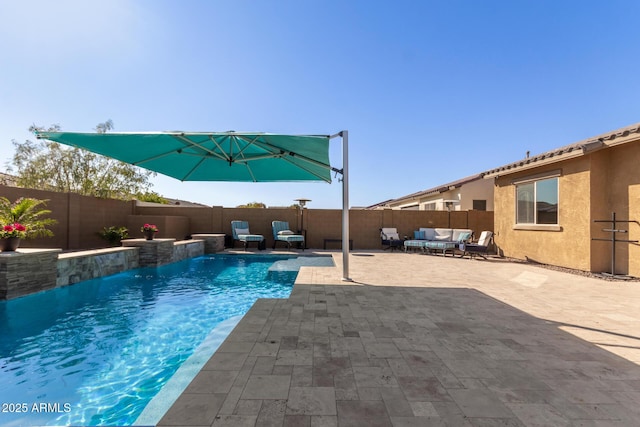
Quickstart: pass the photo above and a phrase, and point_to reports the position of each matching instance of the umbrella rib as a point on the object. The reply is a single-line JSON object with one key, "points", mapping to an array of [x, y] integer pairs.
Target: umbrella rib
{"points": [[193, 169], [249, 143], [191, 143], [275, 151], [281, 154], [286, 159], [241, 149], [263, 156], [293, 154], [251, 172], [224, 155], [148, 159]]}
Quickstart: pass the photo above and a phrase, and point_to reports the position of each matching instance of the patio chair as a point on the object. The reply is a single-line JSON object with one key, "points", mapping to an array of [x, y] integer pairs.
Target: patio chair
{"points": [[282, 233], [390, 238], [240, 231], [480, 248]]}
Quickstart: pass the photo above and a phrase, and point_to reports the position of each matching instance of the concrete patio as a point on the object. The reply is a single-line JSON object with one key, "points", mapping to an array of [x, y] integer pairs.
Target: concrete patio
{"points": [[421, 340]]}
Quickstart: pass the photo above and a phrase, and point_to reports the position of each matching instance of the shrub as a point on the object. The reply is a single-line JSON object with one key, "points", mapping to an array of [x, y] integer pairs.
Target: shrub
{"points": [[114, 234]]}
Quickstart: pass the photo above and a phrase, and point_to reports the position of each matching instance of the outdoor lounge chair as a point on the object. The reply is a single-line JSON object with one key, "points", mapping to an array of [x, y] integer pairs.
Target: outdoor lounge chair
{"points": [[480, 248], [240, 231], [390, 238], [282, 233]]}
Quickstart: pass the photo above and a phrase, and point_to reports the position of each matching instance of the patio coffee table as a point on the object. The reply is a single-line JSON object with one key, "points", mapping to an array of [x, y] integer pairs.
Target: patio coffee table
{"points": [[413, 244]]}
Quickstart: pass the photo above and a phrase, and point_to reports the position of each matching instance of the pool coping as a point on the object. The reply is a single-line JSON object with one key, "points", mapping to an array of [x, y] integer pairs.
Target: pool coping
{"points": [[182, 378]]}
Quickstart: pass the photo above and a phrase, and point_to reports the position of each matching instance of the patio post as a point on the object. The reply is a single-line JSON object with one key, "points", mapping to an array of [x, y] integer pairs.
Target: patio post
{"points": [[345, 202], [345, 206]]}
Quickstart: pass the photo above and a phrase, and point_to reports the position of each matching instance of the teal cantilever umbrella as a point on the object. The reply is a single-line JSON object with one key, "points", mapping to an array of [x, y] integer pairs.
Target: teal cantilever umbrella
{"points": [[200, 156], [220, 156]]}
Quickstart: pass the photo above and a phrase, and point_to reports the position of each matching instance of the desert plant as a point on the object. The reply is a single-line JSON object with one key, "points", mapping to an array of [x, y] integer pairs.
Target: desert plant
{"points": [[28, 212], [152, 196], [114, 234], [254, 205]]}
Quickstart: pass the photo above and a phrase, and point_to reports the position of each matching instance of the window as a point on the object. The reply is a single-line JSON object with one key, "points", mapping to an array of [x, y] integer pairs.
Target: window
{"points": [[479, 205], [537, 202], [430, 206]]}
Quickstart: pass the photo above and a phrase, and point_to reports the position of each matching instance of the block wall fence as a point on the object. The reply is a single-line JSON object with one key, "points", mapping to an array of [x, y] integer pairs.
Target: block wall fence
{"points": [[80, 218]]}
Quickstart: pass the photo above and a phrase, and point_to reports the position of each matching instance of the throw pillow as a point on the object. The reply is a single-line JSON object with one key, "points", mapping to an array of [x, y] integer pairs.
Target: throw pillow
{"points": [[463, 237]]}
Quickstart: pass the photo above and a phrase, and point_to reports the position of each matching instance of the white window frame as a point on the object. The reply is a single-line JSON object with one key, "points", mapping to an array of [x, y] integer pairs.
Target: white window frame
{"points": [[534, 179]]}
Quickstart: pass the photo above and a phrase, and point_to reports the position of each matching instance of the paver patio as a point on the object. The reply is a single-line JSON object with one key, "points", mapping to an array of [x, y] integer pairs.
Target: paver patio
{"points": [[427, 341]]}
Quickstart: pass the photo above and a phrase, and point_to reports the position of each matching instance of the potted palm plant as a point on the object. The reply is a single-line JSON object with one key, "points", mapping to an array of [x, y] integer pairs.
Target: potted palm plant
{"points": [[24, 218]]}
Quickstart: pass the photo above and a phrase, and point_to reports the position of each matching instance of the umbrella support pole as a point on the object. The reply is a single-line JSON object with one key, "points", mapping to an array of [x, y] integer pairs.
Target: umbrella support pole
{"points": [[345, 204]]}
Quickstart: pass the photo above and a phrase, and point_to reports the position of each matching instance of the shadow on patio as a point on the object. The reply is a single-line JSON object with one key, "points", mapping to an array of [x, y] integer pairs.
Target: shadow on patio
{"points": [[353, 355]]}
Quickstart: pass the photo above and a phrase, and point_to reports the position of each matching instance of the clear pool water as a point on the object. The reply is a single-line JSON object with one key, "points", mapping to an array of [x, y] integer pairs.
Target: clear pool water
{"points": [[97, 352]]}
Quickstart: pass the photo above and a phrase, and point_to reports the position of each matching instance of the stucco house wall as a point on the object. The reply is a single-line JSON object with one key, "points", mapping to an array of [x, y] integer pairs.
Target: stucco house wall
{"points": [[622, 196], [481, 189], [600, 257], [567, 245], [599, 177], [439, 201], [463, 191]]}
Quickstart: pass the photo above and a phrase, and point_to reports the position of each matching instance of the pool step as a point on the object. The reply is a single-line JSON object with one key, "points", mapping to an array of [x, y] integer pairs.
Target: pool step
{"points": [[283, 270]]}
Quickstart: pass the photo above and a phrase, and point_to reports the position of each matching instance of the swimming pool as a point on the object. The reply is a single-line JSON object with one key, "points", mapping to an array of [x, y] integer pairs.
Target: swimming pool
{"points": [[97, 352]]}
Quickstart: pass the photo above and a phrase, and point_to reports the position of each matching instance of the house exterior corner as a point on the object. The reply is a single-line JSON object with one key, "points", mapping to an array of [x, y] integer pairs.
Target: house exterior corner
{"points": [[591, 186]]}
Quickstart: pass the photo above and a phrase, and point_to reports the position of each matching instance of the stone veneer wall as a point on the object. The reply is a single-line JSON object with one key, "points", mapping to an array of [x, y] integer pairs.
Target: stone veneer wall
{"points": [[76, 267], [212, 242], [156, 252], [187, 249], [152, 253], [27, 271]]}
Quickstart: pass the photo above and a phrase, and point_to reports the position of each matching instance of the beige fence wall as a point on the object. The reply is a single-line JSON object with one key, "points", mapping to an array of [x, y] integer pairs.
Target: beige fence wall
{"points": [[80, 218]]}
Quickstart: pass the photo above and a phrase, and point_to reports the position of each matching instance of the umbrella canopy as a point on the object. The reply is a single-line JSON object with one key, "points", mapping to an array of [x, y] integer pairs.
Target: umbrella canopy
{"points": [[204, 156], [224, 156]]}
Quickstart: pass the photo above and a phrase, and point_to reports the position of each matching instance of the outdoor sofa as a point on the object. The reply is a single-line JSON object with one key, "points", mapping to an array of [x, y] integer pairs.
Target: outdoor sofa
{"points": [[432, 240]]}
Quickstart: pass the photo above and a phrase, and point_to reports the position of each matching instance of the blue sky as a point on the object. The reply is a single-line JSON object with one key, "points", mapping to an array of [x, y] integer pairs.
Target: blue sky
{"points": [[430, 91]]}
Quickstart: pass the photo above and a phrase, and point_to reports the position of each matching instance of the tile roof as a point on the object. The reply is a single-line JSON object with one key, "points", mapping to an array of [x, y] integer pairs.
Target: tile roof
{"points": [[8, 180], [568, 151], [576, 149], [430, 191]]}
